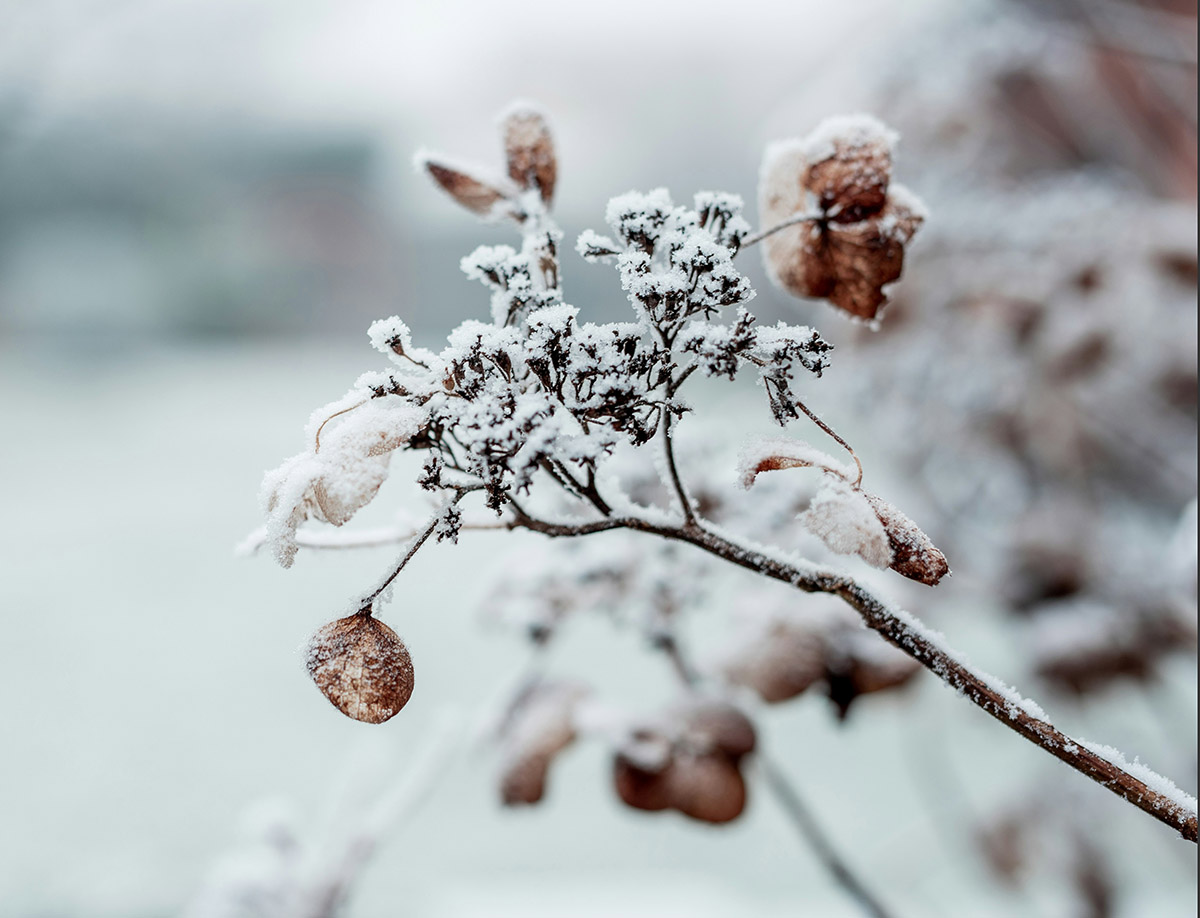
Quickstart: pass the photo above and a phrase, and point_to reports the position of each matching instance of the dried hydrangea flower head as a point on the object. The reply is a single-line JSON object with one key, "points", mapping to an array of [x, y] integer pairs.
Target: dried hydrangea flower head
{"points": [[688, 760], [521, 418], [849, 224]]}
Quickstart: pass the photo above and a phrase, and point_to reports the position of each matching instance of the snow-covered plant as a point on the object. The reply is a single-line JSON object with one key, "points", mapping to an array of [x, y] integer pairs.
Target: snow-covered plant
{"points": [[539, 419]]}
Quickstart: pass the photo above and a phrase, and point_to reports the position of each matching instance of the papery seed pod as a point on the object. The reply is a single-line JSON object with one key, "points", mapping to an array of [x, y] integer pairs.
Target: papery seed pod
{"points": [[913, 554], [850, 182], [474, 194], [529, 151], [707, 787], [362, 667]]}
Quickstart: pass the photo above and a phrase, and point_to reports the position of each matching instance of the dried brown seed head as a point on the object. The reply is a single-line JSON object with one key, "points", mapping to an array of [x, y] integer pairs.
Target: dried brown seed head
{"points": [[859, 662], [859, 223], [362, 667], [529, 151]]}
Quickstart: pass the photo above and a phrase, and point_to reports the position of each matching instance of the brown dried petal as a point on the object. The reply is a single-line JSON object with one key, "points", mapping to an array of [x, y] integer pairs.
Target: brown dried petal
{"points": [[707, 787], [639, 788], [524, 780], [786, 662], [362, 667], [529, 151], [720, 726], [846, 263], [913, 554], [860, 662], [852, 184], [475, 195]]}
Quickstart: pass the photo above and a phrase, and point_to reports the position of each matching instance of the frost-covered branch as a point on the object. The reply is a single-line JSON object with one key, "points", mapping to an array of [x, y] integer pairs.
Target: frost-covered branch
{"points": [[534, 410]]}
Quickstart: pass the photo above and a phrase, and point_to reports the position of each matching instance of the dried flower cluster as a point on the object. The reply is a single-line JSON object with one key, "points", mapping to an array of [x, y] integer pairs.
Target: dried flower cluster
{"points": [[855, 223], [538, 411]]}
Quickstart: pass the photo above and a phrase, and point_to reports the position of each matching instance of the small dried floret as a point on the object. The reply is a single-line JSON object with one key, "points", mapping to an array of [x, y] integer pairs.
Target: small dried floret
{"points": [[362, 667], [529, 150]]}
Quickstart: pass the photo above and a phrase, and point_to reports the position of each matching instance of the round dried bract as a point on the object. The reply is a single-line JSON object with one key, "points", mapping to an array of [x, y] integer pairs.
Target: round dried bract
{"points": [[707, 787], [785, 662], [722, 727], [362, 667]]}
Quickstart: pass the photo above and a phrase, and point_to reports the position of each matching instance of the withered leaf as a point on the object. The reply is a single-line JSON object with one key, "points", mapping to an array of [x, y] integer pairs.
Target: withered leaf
{"points": [[474, 194], [529, 152], [362, 667]]}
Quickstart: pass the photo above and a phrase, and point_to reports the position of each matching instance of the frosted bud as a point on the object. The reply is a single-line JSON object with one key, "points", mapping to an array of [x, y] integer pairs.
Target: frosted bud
{"points": [[842, 518], [913, 554], [362, 667], [529, 151]]}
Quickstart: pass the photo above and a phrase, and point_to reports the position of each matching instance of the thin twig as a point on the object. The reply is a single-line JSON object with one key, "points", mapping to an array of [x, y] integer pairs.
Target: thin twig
{"points": [[755, 238], [802, 817], [685, 502], [829, 430], [369, 600]]}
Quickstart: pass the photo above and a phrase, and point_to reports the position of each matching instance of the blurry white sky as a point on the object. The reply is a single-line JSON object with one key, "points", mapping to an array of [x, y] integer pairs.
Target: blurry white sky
{"points": [[621, 80]]}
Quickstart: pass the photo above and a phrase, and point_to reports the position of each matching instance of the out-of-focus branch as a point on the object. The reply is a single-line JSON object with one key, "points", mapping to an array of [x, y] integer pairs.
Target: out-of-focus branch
{"points": [[926, 647]]}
